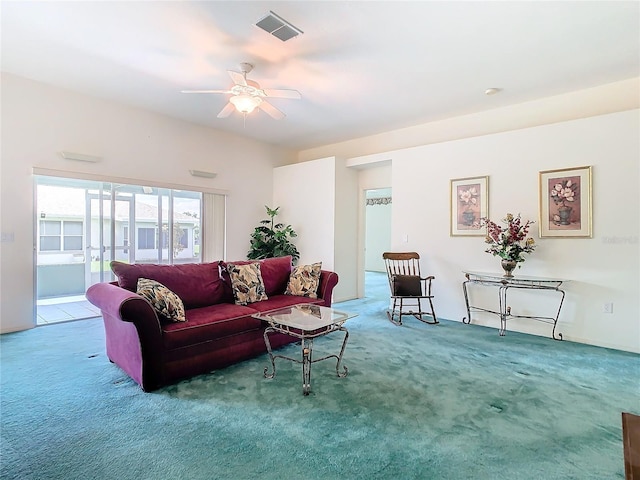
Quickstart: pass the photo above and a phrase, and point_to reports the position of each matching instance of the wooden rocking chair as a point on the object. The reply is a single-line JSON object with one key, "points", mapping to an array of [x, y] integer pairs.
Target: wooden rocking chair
{"points": [[408, 287]]}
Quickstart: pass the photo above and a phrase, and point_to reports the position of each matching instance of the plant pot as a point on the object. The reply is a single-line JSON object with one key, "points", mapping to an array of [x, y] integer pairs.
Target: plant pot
{"points": [[508, 266]]}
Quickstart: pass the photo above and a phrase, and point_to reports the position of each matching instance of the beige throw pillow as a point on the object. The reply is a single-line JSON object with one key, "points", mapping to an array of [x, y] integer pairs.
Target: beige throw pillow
{"points": [[163, 300], [304, 280], [247, 283]]}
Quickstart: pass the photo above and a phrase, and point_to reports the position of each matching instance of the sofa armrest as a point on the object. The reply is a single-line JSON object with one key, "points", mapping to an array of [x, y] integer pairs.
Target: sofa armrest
{"points": [[132, 332], [123, 304], [328, 280]]}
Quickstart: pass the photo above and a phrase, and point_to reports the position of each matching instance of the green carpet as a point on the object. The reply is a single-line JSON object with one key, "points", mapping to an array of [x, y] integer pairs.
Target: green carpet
{"points": [[449, 401]]}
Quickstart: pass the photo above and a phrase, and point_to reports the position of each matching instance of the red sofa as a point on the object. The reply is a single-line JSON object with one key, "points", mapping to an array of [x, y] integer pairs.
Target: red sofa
{"points": [[155, 352]]}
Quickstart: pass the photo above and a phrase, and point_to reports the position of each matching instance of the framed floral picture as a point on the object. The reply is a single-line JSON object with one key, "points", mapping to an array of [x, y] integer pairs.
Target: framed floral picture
{"points": [[469, 202], [565, 202]]}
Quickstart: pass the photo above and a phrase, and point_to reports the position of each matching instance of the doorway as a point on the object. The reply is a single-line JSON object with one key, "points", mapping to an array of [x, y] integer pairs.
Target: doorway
{"points": [[82, 225], [377, 235]]}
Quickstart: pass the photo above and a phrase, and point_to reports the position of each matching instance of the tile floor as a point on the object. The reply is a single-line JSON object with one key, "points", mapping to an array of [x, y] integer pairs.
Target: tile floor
{"points": [[65, 309]]}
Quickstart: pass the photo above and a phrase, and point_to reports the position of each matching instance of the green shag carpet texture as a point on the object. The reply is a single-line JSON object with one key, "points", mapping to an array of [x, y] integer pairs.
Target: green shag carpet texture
{"points": [[446, 401]]}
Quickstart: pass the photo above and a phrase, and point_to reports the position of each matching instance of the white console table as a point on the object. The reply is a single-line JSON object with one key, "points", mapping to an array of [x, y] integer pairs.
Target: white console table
{"points": [[504, 284]]}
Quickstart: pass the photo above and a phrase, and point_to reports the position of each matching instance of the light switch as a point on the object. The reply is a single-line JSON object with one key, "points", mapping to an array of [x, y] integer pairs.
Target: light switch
{"points": [[8, 237]]}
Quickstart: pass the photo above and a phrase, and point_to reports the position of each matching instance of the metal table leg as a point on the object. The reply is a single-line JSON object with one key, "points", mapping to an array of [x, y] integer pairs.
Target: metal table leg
{"points": [[466, 319], [345, 371], [307, 358], [505, 310], [306, 366], [271, 357]]}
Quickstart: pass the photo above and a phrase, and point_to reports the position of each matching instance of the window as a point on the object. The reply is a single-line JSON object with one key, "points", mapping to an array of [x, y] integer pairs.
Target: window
{"points": [[183, 239], [72, 236], [58, 235], [180, 237], [146, 238], [49, 236]]}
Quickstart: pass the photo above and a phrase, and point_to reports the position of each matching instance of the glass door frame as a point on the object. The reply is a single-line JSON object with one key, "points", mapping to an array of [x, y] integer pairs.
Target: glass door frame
{"points": [[101, 199]]}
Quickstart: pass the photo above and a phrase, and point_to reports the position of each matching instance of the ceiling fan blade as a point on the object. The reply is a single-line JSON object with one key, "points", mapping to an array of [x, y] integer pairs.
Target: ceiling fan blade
{"points": [[237, 78], [279, 93], [205, 91], [226, 111], [270, 110]]}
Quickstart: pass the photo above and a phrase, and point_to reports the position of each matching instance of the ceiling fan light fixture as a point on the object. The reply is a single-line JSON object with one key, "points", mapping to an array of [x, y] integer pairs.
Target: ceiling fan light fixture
{"points": [[245, 103]]}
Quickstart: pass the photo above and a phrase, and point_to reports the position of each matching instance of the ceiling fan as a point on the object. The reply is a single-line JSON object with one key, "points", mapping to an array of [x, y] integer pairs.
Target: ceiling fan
{"points": [[247, 95]]}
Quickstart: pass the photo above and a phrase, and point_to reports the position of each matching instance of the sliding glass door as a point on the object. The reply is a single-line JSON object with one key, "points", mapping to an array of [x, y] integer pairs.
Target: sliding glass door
{"points": [[83, 225]]}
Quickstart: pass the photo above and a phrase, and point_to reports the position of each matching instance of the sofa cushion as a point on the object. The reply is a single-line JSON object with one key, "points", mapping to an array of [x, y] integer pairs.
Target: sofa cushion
{"points": [[304, 280], [197, 284], [275, 273], [163, 300], [247, 283], [210, 323]]}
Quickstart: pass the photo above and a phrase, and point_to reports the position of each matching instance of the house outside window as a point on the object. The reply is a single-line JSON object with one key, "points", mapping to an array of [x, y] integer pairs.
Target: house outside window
{"points": [[72, 239], [50, 235], [146, 238], [61, 235]]}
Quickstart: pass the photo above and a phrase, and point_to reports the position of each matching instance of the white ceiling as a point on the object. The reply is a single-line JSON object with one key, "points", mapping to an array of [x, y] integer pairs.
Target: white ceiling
{"points": [[362, 67]]}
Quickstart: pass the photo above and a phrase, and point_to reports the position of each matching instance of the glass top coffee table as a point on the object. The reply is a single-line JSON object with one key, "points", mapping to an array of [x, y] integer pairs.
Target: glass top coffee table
{"points": [[306, 322]]}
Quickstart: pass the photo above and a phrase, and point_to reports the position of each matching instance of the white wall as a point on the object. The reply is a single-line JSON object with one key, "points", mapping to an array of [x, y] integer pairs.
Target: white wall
{"points": [[605, 268], [346, 234], [305, 194], [39, 120], [570, 130], [320, 200]]}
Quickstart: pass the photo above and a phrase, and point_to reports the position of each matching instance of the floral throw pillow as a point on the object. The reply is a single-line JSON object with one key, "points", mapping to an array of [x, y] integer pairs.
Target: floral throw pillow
{"points": [[163, 300], [247, 283], [304, 280]]}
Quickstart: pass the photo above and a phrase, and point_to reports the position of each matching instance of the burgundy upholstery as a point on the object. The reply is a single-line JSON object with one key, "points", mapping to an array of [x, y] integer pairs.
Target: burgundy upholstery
{"points": [[275, 273], [155, 352], [209, 323], [197, 284]]}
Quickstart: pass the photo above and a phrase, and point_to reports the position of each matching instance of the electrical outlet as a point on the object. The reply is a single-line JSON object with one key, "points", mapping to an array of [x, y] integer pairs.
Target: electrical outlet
{"points": [[607, 307]]}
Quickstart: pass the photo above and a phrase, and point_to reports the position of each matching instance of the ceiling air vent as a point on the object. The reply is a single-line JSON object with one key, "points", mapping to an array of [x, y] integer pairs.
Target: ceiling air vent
{"points": [[278, 27]]}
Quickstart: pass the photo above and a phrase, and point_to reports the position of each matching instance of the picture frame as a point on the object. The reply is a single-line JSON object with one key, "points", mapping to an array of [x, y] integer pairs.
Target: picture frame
{"points": [[566, 203], [468, 203]]}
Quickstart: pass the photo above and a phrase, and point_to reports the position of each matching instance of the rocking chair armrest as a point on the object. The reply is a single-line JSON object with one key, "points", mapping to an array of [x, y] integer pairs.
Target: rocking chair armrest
{"points": [[427, 284]]}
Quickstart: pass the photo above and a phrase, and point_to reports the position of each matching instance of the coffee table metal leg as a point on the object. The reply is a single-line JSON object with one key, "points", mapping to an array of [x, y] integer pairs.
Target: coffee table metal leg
{"points": [[344, 345], [307, 358], [271, 357], [306, 366]]}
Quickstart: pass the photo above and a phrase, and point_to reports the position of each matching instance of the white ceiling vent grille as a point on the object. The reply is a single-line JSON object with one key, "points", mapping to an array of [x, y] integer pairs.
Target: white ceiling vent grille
{"points": [[278, 27]]}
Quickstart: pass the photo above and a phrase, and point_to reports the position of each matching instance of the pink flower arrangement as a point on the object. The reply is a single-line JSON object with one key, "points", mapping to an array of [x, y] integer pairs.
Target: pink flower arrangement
{"points": [[469, 197], [510, 242], [564, 191]]}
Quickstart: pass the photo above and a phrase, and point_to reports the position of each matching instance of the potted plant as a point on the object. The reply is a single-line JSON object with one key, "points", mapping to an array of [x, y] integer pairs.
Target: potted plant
{"points": [[270, 239]]}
